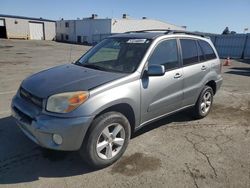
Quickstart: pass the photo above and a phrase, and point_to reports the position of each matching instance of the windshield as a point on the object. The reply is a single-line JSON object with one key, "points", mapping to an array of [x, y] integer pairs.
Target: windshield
{"points": [[116, 55]]}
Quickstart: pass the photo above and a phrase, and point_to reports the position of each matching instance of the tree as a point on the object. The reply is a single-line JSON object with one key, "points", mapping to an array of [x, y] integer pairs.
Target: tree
{"points": [[226, 31]]}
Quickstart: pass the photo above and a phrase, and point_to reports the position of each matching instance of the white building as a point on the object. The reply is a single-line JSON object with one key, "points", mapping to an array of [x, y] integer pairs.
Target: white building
{"points": [[19, 27], [93, 29]]}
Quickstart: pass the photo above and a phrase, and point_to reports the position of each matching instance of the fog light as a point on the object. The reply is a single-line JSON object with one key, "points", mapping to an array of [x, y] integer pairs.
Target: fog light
{"points": [[57, 139]]}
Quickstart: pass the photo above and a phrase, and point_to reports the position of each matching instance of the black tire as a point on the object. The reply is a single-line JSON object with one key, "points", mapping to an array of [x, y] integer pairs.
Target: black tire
{"points": [[198, 112], [88, 150]]}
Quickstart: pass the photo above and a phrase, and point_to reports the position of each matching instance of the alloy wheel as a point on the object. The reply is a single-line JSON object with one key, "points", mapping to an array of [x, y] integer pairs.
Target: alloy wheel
{"points": [[206, 102], [110, 141]]}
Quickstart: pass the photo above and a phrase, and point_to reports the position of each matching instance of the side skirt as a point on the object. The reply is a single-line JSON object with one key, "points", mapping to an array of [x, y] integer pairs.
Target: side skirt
{"points": [[162, 116]]}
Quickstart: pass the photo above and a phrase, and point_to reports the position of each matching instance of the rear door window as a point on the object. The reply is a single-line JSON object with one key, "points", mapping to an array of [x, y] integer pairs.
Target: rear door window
{"points": [[207, 49], [189, 51], [200, 53]]}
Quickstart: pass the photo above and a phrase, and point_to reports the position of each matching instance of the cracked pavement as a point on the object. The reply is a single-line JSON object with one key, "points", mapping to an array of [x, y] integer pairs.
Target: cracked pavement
{"points": [[177, 151]]}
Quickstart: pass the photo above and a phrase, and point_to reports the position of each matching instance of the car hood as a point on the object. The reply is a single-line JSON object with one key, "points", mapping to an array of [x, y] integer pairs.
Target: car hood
{"points": [[66, 78]]}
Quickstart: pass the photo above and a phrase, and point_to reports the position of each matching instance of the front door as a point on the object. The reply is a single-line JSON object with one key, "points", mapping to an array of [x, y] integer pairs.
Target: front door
{"points": [[162, 94]]}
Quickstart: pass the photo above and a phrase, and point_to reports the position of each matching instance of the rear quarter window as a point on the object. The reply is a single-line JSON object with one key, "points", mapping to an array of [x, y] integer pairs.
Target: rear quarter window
{"points": [[207, 50]]}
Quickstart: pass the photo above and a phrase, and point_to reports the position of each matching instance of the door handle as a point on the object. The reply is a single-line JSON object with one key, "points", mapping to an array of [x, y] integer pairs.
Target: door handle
{"points": [[203, 67], [177, 75]]}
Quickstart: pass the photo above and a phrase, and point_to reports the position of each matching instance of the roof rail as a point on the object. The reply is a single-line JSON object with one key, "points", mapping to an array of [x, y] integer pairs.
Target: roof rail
{"points": [[168, 31], [148, 30], [184, 32]]}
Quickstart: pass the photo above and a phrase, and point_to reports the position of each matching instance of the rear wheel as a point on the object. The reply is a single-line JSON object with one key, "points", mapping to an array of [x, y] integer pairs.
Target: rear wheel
{"points": [[204, 103], [107, 140]]}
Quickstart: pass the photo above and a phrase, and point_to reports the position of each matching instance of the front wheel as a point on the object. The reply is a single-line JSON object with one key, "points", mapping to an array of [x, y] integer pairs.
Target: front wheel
{"points": [[204, 103], [107, 140]]}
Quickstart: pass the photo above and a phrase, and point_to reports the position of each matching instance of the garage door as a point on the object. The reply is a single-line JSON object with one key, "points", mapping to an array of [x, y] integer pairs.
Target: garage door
{"points": [[36, 31]]}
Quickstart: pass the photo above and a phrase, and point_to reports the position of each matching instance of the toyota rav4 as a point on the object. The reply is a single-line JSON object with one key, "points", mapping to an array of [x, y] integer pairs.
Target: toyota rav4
{"points": [[122, 84]]}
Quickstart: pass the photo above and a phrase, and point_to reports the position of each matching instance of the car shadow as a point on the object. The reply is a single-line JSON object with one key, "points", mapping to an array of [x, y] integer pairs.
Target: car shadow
{"points": [[21, 160], [242, 71]]}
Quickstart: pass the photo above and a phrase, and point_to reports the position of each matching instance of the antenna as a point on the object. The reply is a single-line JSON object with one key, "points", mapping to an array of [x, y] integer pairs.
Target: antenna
{"points": [[70, 52]]}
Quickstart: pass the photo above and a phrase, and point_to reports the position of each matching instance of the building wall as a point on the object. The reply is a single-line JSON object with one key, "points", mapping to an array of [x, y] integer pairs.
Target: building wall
{"points": [[87, 29], [61, 29], [19, 28], [50, 30], [125, 25], [94, 30]]}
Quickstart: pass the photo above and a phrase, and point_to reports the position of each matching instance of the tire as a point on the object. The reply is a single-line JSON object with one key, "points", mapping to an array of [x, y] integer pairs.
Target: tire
{"points": [[204, 103], [100, 133]]}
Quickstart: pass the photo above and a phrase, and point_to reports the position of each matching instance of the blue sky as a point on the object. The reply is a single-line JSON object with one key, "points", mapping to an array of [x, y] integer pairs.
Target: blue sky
{"points": [[197, 15]]}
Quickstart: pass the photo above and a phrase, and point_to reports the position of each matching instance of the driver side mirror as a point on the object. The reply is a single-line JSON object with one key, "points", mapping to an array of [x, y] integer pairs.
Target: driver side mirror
{"points": [[156, 70]]}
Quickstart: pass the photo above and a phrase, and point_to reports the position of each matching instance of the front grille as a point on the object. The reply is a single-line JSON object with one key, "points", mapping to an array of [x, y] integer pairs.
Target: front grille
{"points": [[25, 118], [31, 98]]}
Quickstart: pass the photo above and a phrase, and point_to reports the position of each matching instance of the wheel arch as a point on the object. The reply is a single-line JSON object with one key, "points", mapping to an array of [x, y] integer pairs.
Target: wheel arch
{"points": [[123, 108], [212, 84]]}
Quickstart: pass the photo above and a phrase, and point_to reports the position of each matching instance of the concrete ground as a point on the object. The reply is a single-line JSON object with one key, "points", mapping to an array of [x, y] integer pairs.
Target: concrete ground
{"points": [[174, 152]]}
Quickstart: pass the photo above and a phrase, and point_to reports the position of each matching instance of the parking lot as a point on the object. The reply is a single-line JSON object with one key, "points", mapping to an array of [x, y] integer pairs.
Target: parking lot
{"points": [[177, 151]]}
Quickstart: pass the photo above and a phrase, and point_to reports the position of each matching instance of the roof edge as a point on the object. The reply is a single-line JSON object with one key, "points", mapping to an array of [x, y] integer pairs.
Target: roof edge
{"points": [[26, 18]]}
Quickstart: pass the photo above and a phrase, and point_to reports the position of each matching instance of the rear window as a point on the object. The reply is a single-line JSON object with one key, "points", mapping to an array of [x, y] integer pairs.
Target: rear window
{"points": [[189, 51], [207, 50]]}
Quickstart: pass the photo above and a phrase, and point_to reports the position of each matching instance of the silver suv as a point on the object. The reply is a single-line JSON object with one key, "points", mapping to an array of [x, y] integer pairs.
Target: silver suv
{"points": [[123, 83]]}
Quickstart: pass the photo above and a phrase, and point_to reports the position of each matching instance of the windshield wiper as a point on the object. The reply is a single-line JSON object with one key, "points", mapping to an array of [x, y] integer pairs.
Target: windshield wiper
{"points": [[93, 66], [77, 63]]}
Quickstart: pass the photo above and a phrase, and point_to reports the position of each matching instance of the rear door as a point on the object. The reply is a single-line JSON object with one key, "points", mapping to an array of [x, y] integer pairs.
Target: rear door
{"points": [[162, 94], [194, 70], [210, 56]]}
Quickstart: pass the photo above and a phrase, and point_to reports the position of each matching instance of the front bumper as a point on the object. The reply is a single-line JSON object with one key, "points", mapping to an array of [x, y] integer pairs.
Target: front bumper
{"points": [[40, 128]]}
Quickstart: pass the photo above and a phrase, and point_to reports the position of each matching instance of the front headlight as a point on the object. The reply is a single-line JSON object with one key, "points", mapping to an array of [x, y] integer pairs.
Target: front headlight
{"points": [[66, 102]]}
